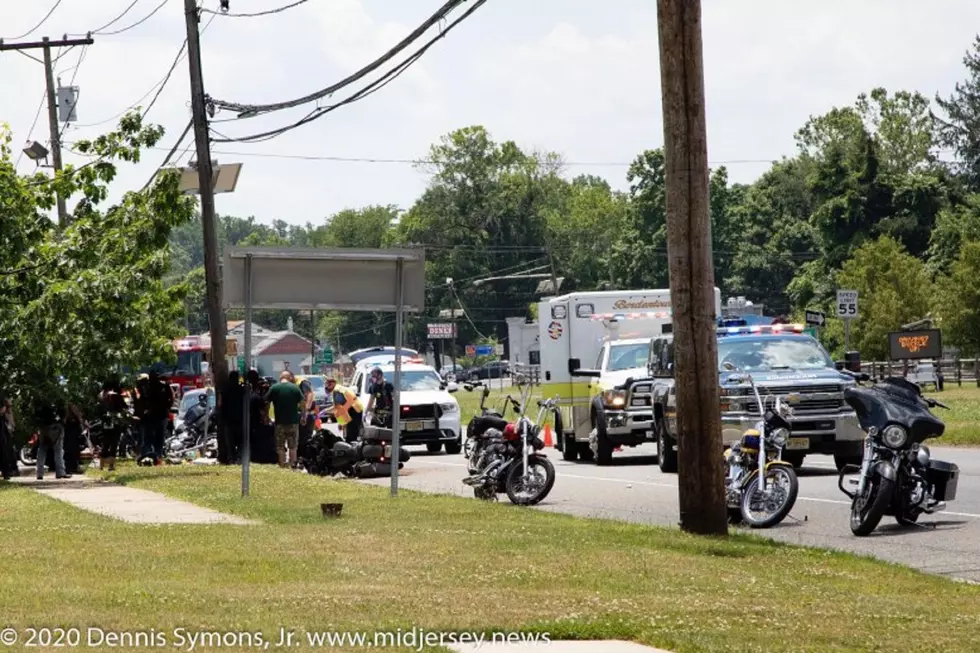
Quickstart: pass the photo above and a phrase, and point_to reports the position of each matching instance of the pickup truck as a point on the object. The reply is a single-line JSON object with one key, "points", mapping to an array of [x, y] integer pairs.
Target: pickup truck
{"points": [[784, 362]]}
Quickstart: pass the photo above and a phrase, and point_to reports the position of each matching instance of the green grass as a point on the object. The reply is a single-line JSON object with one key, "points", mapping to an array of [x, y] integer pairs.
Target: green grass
{"points": [[445, 563], [963, 418]]}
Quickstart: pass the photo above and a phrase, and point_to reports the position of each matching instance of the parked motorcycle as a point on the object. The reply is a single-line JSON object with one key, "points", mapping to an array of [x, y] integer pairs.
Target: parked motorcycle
{"points": [[196, 435], [479, 425], [762, 500], [898, 476], [509, 462]]}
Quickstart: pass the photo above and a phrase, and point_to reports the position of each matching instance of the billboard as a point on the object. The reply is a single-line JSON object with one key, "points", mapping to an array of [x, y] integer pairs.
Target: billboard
{"points": [[911, 345]]}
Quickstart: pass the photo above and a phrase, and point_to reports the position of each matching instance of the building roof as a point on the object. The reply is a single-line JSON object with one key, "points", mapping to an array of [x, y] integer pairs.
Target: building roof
{"points": [[282, 342]]}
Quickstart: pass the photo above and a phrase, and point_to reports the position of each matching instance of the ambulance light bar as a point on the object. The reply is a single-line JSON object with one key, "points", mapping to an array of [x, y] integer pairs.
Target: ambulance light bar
{"points": [[760, 329]]}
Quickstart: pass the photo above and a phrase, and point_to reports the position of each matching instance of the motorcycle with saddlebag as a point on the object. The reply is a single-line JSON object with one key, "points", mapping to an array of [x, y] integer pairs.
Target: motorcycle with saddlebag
{"points": [[762, 500], [898, 475], [328, 454]]}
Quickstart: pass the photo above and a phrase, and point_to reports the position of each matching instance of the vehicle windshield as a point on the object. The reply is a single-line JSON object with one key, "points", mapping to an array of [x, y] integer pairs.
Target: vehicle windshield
{"points": [[625, 357], [191, 399], [751, 354], [417, 380], [189, 363], [317, 383]]}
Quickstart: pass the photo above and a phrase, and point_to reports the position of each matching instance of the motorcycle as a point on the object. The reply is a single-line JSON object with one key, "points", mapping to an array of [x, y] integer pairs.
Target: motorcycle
{"points": [[898, 476], [196, 435], [478, 426], [509, 462], [762, 500], [328, 454]]}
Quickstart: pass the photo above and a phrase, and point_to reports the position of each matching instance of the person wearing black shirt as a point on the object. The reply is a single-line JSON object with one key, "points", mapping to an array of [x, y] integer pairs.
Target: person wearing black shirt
{"points": [[381, 399], [114, 410], [49, 416], [8, 458], [231, 407]]}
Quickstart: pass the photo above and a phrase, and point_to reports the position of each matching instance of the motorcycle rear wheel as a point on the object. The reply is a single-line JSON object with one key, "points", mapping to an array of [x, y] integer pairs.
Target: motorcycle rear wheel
{"points": [[867, 510], [515, 481], [26, 458], [782, 482]]}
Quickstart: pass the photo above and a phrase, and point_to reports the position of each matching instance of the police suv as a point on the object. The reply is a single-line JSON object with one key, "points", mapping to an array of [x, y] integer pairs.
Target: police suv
{"points": [[784, 362]]}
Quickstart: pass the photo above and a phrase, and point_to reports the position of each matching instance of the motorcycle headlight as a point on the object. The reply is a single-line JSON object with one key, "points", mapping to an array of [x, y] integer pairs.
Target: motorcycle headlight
{"points": [[614, 398], [894, 436], [779, 437]]}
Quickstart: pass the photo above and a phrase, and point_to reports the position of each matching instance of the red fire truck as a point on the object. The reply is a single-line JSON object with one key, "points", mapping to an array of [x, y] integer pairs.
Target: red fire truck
{"points": [[193, 358]]}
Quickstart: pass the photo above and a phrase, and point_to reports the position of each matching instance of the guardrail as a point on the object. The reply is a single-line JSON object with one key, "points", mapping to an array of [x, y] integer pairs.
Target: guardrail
{"points": [[953, 370]]}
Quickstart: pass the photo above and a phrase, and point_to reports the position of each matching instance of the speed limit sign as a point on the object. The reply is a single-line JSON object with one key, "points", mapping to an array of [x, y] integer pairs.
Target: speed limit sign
{"points": [[847, 304]]}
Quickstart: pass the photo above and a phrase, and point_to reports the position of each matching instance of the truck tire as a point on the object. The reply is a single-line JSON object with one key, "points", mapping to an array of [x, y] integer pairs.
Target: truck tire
{"points": [[454, 447], [569, 448], [434, 447], [585, 452], [666, 456], [604, 448]]}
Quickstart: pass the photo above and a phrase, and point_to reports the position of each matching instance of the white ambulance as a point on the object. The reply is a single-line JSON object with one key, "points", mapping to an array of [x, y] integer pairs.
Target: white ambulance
{"points": [[592, 342]]}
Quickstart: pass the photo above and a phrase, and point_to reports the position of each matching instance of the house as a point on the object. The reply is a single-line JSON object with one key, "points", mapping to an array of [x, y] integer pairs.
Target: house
{"points": [[277, 351], [523, 345]]}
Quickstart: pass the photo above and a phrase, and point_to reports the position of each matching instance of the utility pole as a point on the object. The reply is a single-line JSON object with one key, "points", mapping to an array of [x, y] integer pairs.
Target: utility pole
{"points": [[700, 472], [46, 44], [206, 183]]}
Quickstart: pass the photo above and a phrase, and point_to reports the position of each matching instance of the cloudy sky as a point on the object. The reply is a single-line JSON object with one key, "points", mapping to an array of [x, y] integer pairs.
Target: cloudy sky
{"points": [[578, 77]]}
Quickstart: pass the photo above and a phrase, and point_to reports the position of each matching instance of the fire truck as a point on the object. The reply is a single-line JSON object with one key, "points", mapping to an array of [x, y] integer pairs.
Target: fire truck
{"points": [[193, 359]]}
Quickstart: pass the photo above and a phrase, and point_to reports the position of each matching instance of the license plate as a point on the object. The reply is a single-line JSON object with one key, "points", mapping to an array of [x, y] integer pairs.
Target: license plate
{"points": [[414, 426], [798, 443], [639, 402]]}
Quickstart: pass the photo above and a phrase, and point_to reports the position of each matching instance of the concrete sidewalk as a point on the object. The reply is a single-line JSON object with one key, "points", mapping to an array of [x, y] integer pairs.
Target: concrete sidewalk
{"points": [[555, 646], [126, 503]]}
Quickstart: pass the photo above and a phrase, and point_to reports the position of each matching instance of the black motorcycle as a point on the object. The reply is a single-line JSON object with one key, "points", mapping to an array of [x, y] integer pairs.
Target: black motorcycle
{"points": [[479, 425], [898, 476], [328, 454], [509, 462]]}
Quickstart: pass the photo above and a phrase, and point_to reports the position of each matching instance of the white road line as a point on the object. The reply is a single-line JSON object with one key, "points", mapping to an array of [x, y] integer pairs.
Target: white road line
{"points": [[623, 481]]}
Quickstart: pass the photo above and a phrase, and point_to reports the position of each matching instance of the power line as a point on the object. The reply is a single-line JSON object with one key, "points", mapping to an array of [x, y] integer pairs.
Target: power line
{"points": [[256, 109], [117, 18], [261, 13], [183, 135], [35, 28], [134, 25], [377, 85]]}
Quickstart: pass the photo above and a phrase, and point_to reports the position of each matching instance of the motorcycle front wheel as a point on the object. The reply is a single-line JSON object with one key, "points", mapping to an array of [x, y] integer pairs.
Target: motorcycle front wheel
{"points": [[26, 458], [766, 509], [868, 509], [541, 478]]}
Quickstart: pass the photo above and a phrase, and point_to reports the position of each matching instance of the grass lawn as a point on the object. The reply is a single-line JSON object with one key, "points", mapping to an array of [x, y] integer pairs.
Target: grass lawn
{"points": [[446, 563], [962, 420]]}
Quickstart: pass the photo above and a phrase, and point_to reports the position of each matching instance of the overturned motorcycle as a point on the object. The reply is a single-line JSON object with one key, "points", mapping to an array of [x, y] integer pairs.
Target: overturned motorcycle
{"points": [[328, 454]]}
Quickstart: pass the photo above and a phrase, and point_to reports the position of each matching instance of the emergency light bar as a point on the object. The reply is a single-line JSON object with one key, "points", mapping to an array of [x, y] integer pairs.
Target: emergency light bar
{"points": [[760, 329]]}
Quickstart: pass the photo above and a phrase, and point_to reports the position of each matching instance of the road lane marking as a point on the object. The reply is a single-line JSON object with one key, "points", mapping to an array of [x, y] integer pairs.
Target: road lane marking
{"points": [[623, 481]]}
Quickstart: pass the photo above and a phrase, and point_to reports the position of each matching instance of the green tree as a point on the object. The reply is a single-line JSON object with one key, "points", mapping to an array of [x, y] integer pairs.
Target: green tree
{"points": [[957, 302], [82, 301], [959, 126], [640, 253], [894, 289]]}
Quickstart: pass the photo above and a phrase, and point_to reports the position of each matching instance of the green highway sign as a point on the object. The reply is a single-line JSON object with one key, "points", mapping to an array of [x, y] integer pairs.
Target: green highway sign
{"points": [[324, 357]]}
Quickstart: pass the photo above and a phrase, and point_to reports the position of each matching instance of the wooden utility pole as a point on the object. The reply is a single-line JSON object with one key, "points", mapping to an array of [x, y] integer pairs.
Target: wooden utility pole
{"points": [[46, 44], [212, 274], [692, 280]]}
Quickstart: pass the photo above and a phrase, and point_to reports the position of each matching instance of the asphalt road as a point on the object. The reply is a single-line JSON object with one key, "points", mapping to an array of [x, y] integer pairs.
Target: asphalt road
{"points": [[633, 489]]}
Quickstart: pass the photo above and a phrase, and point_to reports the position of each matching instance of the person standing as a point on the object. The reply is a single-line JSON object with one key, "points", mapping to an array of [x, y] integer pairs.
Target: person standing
{"points": [[287, 400], [381, 400], [8, 458], [50, 420], [231, 408], [114, 410], [74, 425], [308, 417]]}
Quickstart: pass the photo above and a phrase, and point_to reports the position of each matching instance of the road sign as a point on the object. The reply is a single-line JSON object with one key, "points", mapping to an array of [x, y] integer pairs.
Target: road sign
{"points": [[816, 318], [471, 351], [324, 357], [847, 304], [441, 331], [484, 350], [812, 332], [499, 350]]}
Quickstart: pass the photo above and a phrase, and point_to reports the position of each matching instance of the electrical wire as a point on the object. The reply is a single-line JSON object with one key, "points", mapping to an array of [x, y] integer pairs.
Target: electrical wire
{"points": [[377, 85], [261, 13], [256, 109], [190, 124], [117, 18], [36, 27], [134, 25], [158, 87]]}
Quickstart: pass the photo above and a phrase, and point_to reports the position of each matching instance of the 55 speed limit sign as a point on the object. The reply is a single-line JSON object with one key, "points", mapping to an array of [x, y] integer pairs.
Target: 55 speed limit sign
{"points": [[847, 304]]}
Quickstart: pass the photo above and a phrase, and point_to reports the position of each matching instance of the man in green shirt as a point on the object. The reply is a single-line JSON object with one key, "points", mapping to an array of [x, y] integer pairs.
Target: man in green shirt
{"points": [[286, 399]]}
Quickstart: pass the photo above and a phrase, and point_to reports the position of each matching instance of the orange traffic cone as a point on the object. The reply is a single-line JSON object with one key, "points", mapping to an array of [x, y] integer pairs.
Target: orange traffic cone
{"points": [[548, 442]]}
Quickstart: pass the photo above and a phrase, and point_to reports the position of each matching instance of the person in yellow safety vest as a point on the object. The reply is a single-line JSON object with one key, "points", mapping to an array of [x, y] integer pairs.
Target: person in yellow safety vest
{"points": [[348, 410]]}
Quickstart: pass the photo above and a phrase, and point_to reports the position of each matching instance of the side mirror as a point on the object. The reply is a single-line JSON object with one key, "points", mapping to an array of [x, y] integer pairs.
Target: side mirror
{"points": [[574, 364], [452, 387], [486, 391], [727, 365], [839, 365]]}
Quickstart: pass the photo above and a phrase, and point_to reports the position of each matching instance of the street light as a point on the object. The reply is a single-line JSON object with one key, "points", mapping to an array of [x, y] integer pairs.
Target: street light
{"points": [[35, 151], [224, 178]]}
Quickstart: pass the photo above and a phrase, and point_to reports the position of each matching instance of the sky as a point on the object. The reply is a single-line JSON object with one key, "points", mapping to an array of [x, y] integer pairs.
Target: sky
{"points": [[577, 77]]}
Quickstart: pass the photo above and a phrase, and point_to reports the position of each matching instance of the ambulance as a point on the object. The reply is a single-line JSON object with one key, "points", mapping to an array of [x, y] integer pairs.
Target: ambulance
{"points": [[592, 342]]}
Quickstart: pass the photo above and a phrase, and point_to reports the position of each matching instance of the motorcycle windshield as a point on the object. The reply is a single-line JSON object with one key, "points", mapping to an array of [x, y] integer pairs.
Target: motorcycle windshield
{"points": [[880, 406]]}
